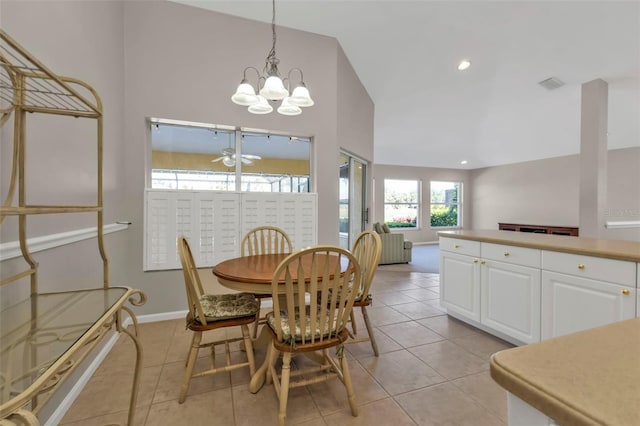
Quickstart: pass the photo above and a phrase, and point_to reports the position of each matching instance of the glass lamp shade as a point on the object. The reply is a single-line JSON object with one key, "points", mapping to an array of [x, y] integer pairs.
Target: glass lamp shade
{"points": [[274, 89], [228, 161], [287, 108], [262, 107], [301, 97], [245, 95]]}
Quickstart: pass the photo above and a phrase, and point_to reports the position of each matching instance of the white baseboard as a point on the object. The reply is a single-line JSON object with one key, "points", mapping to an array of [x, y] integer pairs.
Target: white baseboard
{"points": [[425, 243], [164, 316], [61, 410]]}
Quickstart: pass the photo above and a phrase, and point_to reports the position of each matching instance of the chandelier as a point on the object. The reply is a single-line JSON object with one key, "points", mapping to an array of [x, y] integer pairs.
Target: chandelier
{"points": [[273, 87]]}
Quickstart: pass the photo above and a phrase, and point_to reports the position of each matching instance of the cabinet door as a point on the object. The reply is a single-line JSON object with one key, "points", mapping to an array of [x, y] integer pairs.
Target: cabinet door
{"points": [[571, 303], [460, 284], [511, 299]]}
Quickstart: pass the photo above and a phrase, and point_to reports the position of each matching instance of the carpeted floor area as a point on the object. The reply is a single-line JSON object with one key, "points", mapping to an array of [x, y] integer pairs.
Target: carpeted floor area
{"points": [[424, 258]]}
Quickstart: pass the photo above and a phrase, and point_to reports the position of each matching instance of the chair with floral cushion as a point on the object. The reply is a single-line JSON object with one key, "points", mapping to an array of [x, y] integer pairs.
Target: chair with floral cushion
{"points": [[211, 312], [366, 249], [264, 240], [310, 315]]}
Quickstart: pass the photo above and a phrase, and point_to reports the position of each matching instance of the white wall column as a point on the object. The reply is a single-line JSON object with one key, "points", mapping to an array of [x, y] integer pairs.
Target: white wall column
{"points": [[593, 158]]}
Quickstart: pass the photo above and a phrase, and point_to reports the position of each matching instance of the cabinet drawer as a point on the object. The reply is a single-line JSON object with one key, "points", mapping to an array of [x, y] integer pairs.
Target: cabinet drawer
{"points": [[511, 254], [597, 268], [456, 245]]}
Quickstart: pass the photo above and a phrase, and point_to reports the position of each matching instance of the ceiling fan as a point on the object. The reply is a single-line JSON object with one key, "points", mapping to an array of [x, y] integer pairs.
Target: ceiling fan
{"points": [[228, 158]]}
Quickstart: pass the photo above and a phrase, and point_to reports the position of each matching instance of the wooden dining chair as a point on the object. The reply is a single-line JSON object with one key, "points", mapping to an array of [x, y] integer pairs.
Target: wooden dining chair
{"points": [[211, 312], [311, 314], [264, 240], [367, 250]]}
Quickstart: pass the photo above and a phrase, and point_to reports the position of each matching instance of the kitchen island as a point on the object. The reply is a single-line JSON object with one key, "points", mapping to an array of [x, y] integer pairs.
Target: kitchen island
{"points": [[525, 288], [590, 377]]}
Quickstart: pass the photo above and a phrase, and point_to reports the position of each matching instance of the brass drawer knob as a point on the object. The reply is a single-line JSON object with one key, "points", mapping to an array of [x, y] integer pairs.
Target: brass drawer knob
{"points": [[625, 292], [456, 246], [483, 262], [506, 253], [580, 266], [475, 260]]}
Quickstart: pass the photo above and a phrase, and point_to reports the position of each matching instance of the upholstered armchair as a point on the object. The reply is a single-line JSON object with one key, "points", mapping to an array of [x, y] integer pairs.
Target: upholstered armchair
{"points": [[394, 247]]}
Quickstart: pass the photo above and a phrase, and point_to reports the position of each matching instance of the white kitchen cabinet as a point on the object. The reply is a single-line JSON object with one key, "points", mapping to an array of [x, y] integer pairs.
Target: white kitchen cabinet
{"points": [[460, 284], [571, 303], [499, 290], [581, 292], [524, 292], [510, 299]]}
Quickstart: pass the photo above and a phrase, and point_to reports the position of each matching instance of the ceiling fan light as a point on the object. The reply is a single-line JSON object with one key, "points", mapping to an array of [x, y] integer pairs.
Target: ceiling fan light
{"points": [[274, 88], [229, 162], [287, 108], [301, 97], [245, 94], [262, 107]]}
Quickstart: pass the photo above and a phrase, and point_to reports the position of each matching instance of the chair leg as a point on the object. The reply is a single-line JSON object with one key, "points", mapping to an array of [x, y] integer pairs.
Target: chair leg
{"points": [[367, 323], [272, 356], [255, 324], [248, 346], [354, 328], [348, 385], [284, 387], [191, 362]]}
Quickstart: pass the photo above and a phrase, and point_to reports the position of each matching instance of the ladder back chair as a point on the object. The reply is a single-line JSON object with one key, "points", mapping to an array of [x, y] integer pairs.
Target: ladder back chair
{"points": [[313, 295], [211, 312], [264, 240], [367, 250]]}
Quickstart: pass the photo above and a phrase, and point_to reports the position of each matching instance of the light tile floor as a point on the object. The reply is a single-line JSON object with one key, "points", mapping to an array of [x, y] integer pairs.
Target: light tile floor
{"points": [[432, 370]]}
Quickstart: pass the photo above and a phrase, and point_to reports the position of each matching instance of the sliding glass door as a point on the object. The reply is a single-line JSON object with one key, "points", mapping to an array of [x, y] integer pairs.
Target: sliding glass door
{"points": [[353, 212]]}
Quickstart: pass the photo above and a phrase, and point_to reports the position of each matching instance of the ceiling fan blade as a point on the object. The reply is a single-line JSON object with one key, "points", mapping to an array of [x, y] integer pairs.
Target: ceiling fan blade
{"points": [[246, 160], [252, 157], [217, 159]]}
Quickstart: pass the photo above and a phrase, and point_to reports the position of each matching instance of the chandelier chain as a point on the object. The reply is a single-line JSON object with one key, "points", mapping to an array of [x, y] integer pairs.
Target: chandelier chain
{"points": [[272, 53]]}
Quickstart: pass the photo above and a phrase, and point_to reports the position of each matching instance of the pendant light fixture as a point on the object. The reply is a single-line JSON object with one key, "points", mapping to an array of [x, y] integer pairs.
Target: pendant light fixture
{"points": [[273, 86]]}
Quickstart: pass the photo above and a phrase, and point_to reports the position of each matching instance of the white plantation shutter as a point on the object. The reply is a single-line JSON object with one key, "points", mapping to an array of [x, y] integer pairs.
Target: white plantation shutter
{"points": [[298, 216], [214, 223]]}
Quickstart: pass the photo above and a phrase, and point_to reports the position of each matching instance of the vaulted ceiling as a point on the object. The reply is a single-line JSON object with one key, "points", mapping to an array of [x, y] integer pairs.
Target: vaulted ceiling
{"points": [[428, 113]]}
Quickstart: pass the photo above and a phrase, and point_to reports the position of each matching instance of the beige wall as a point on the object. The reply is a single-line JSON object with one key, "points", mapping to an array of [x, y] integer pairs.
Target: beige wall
{"points": [[541, 192], [546, 192], [166, 79], [623, 192], [425, 175], [161, 59]]}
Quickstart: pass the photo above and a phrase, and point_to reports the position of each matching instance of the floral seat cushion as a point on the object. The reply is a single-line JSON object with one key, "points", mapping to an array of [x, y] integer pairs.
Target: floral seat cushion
{"points": [[218, 307], [359, 297], [287, 334]]}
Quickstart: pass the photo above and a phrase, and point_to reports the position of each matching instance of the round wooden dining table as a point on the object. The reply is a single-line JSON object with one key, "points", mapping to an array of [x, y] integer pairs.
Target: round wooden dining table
{"points": [[254, 274]]}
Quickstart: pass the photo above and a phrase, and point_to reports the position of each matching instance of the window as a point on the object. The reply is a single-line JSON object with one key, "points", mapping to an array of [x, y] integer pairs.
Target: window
{"points": [[401, 202], [200, 156], [446, 207], [219, 181]]}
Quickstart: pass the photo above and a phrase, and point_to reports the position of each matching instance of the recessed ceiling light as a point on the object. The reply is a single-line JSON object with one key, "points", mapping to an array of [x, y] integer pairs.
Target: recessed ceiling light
{"points": [[463, 65], [464, 162]]}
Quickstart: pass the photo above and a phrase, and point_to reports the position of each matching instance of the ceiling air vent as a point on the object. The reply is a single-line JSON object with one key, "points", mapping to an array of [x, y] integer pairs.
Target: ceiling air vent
{"points": [[551, 83]]}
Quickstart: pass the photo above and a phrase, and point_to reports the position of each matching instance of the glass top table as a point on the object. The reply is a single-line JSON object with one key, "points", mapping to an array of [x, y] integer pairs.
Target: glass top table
{"points": [[39, 335]]}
